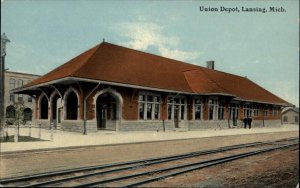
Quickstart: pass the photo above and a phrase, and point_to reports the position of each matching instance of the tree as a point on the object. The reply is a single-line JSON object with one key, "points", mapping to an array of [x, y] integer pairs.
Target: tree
{"points": [[19, 118]]}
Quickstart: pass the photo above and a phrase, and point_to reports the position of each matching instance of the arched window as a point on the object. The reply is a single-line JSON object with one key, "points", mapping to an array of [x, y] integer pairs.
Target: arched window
{"points": [[10, 112], [72, 106], [44, 108], [27, 114]]}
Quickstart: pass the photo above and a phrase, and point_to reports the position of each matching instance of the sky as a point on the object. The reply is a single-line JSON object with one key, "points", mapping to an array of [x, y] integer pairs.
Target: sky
{"points": [[263, 47]]}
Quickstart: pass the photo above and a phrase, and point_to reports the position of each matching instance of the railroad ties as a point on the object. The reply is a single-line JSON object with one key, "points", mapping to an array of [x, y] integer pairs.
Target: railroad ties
{"points": [[139, 172]]}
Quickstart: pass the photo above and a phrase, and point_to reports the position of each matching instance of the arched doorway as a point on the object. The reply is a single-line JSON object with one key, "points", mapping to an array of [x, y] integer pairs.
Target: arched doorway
{"points": [[44, 108], [106, 111], [72, 106]]}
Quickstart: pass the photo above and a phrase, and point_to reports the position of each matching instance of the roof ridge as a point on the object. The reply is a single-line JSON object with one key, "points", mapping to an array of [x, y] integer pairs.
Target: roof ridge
{"points": [[153, 54]]}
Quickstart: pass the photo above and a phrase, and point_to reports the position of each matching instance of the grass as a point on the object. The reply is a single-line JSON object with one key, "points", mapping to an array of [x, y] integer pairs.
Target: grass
{"points": [[21, 139]]}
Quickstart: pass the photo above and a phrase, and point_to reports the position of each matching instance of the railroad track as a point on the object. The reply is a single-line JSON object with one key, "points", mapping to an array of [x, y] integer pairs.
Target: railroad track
{"points": [[139, 172]]}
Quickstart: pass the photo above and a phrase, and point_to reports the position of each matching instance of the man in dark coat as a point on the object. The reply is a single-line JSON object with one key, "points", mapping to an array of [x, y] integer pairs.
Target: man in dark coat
{"points": [[249, 122], [245, 122]]}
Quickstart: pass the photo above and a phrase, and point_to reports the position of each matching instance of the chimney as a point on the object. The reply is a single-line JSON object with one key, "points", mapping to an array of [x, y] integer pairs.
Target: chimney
{"points": [[210, 64]]}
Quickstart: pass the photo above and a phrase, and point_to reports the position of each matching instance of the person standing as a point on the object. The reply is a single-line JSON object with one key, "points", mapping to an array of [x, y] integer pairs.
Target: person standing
{"points": [[245, 122], [249, 122]]}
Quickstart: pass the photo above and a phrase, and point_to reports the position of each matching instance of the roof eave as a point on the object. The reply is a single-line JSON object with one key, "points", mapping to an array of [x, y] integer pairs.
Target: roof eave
{"points": [[257, 101]]}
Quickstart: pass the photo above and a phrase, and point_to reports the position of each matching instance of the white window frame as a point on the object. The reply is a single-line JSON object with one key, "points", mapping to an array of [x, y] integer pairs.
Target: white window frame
{"points": [[215, 108], [255, 110], [265, 111], [196, 105], [172, 103], [234, 106], [221, 108], [146, 102], [275, 110], [247, 110]]}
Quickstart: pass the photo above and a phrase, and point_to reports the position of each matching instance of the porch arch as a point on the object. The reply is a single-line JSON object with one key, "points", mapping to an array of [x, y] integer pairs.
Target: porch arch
{"points": [[116, 95], [43, 107], [71, 110]]}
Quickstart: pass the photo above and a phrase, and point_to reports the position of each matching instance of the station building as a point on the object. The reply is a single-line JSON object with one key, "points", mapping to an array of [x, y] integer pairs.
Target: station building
{"points": [[110, 87]]}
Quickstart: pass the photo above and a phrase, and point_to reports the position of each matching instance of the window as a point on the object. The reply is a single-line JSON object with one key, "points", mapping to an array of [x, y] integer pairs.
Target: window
{"points": [[221, 110], [179, 104], [27, 114], [149, 107], [20, 83], [296, 119], [212, 109], [29, 99], [12, 98], [234, 110], [20, 97], [10, 112], [266, 112], [12, 83], [255, 110], [275, 110], [247, 110], [285, 118], [198, 108]]}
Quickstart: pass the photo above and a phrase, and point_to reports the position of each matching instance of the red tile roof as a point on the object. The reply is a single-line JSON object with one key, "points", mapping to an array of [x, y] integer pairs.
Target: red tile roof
{"points": [[109, 62]]}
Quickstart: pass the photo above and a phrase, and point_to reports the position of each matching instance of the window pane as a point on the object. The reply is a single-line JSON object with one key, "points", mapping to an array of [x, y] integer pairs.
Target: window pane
{"points": [[169, 111], [149, 111], [156, 99], [170, 100], [182, 112], [141, 110], [176, 100], [12, 98], [141, 98], [221, 113], [156, 111], [12, 83], [182, 101], [149, 98], [197, 101], [197, 112], [211, 112], [20, 83]]}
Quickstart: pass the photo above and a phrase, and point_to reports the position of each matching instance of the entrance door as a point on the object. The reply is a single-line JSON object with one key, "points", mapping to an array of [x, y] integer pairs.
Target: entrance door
{"points": [[176, 116], [101, 117]]}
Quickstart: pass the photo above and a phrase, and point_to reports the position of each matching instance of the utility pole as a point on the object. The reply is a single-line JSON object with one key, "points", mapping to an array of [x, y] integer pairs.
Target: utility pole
{"points": [[4, 40]]}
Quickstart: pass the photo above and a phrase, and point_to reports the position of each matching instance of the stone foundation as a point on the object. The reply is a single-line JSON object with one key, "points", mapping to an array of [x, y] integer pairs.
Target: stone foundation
{"points": [[155, 125]]}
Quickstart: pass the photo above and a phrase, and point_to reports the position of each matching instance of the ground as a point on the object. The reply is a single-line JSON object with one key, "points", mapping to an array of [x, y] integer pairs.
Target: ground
{"points": [[274, 169], [21, 139], [277, 169]]}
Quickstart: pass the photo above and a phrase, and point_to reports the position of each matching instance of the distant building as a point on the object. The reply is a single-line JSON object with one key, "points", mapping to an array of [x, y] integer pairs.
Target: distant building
{"points": [[290, 116], [14, 80], [116, 88]]}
